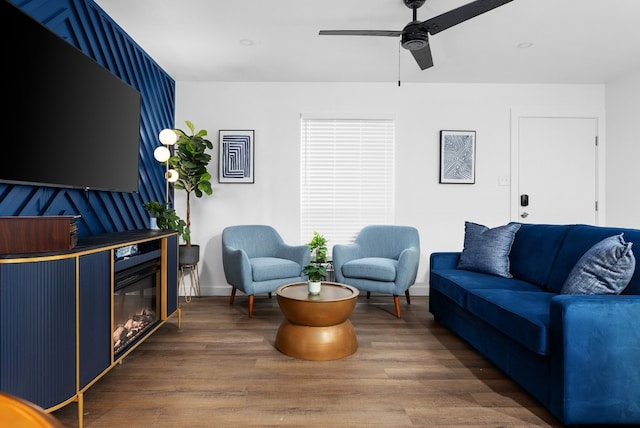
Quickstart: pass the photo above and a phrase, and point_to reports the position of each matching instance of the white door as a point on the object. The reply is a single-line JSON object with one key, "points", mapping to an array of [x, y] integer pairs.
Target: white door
{"points": [[557, 171]]}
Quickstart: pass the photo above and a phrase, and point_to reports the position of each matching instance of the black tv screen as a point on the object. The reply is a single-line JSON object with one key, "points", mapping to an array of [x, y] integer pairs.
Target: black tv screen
{"points": [[67, 121]]}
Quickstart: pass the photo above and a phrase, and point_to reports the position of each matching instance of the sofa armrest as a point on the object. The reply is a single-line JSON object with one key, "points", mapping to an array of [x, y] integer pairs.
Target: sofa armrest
{"points": [[444, 260], [595, 349]]}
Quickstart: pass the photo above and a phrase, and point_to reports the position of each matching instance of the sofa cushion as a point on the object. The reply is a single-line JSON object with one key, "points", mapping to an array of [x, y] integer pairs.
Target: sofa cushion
{"points": [[534, 249], [266, 268], [605, 269], [522, 315], [376, 268], [487, 250], [577, 242], [456, 283]]}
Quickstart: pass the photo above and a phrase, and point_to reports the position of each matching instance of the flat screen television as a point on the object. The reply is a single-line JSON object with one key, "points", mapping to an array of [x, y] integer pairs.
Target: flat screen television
{"points": [[67, 121]]}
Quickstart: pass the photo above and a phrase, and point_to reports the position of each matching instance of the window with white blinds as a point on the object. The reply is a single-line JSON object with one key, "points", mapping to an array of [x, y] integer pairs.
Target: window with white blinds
{"points": [[347, 176]]}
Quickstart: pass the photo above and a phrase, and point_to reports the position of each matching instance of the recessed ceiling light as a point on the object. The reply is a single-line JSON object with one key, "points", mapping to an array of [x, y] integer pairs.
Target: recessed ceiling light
{"points": [[246, 42], [525, 45]]}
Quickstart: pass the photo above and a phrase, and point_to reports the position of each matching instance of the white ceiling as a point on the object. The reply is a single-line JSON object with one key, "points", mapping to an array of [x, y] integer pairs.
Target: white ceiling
{"points": [[574, 41]]}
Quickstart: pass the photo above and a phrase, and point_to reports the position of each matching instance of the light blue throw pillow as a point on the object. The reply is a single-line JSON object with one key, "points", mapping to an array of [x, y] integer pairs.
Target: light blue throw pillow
{"points": [[606, 268], [487, 250]]}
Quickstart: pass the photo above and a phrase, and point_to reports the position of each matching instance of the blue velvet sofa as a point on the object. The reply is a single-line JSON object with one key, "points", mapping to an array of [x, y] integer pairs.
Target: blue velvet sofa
{"points": [[577, 354]]}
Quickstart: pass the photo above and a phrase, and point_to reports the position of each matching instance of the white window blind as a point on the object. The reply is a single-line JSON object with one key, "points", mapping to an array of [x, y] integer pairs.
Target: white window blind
{"points": [[347, 176]]}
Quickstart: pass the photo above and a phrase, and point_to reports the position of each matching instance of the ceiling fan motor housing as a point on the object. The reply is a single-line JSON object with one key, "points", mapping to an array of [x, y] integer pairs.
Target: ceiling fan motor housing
{"points": [[414, 37], [413, 4]]}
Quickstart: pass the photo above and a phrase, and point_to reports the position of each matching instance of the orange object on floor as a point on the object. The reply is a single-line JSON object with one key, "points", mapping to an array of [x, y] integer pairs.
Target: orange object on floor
{"points": [[18, 413]]}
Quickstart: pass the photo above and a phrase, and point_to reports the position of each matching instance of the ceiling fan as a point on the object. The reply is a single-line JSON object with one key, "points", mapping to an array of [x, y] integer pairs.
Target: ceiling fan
{"points": [[415, 35]]}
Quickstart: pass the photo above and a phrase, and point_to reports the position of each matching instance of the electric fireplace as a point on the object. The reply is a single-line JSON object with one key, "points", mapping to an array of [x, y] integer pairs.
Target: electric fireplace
{"points": [[136, 303]]}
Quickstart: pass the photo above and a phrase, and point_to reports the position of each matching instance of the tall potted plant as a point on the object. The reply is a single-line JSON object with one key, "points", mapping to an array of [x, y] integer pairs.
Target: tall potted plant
{"points": [[190, 160]]}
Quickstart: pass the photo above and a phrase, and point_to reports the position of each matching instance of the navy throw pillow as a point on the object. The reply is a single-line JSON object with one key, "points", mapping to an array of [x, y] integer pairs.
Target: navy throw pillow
{"points": [[487, 250], [606, 268]]}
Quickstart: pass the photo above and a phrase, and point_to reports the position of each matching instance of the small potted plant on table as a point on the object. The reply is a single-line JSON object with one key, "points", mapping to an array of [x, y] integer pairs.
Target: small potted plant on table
{"points": [[315, 270], [166, 218]]}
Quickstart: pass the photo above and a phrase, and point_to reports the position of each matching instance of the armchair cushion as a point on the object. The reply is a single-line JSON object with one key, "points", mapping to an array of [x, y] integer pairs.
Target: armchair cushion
{"points": [[376, 268], [266, 268]]}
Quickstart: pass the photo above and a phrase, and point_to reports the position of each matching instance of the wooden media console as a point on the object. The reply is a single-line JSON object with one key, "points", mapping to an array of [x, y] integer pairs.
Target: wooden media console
{"points": [[57, 313]]}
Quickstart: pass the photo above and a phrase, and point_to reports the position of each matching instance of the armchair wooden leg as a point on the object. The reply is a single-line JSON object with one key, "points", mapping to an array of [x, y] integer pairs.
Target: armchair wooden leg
{"points": [[250, 305], [368, 294], [269, 294], [406, 294], [233, 295], [396, 302]]}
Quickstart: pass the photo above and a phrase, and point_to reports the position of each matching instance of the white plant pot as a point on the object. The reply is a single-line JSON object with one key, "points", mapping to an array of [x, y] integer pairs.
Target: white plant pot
{"points": [[153, 223], [314, 287]]}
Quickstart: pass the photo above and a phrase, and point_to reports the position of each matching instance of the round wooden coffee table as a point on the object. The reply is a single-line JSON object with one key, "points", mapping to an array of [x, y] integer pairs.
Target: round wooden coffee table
{"points": [[317, 327]]}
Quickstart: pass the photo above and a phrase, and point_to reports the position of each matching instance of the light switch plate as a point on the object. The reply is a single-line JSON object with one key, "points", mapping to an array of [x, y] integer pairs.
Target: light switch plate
{"points": [[503, 180]]}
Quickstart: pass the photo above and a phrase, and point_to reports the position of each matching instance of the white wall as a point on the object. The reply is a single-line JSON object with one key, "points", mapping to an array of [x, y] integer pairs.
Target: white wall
{"points": [[421, 111], [623, 151]]}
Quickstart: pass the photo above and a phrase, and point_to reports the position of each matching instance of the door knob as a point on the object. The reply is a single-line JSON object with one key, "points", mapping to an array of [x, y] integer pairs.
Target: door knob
{"points": [[524, 214]]}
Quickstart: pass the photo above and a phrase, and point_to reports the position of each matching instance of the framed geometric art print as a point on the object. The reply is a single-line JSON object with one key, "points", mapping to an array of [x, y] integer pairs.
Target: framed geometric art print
{"points": [[458, 157], [236, 156]]}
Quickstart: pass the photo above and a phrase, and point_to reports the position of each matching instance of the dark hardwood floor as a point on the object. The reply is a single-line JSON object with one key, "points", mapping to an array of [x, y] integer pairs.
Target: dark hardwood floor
{"points": [[221, 370]]}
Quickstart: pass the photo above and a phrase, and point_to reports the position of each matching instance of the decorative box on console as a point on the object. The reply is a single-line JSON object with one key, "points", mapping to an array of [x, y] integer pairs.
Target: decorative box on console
{"points": [[32, 234]]}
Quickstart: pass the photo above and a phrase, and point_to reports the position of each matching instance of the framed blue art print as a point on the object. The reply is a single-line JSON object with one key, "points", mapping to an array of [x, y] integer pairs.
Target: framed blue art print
{"points": [[458, 157]]}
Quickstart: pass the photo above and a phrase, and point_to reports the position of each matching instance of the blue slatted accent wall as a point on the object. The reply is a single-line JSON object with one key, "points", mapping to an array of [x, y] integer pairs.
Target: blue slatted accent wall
{"points": [[85, 25]]}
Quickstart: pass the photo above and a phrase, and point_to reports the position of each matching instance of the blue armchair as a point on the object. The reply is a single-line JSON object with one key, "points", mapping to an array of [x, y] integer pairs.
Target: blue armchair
{"points": [[256, 260], [383, 259]]}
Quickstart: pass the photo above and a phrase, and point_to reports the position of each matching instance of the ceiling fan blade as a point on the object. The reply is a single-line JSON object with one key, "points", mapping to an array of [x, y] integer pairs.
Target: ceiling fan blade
{"points": [[423, 57], [360, 33], [460, 14]]}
